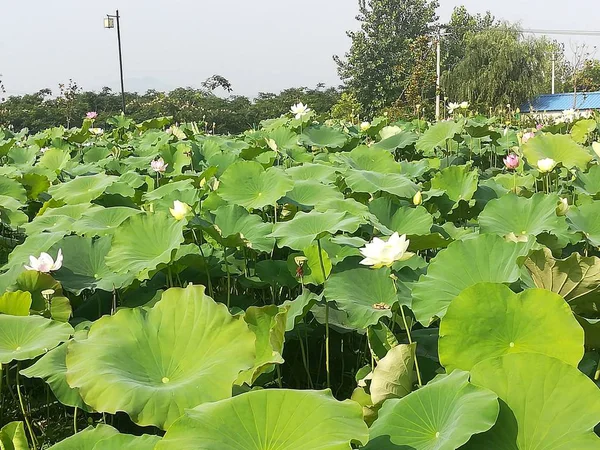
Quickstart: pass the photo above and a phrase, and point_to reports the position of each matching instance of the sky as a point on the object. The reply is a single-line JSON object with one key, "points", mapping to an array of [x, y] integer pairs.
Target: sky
{"points": [[258, 45]]}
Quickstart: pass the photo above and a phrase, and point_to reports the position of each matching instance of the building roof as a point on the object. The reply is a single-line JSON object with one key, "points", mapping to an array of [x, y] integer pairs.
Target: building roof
{"points": [[561, 102]]}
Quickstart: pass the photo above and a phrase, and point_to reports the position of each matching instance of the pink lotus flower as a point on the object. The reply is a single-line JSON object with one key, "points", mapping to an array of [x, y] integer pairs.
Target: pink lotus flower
{"points": [[158, 165], [45, 263], [527, 136], [512, 161], [539, 126], [91, 115]]}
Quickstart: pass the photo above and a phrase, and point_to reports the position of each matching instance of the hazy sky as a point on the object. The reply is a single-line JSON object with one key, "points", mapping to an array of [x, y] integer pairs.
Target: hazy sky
{"points": [[259, 45]]}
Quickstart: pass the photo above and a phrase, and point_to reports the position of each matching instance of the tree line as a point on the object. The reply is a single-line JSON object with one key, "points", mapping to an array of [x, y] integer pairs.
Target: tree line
{"points": [[389, 68]]}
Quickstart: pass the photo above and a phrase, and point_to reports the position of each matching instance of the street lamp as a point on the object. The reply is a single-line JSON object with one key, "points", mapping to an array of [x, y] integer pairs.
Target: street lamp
{"points": [[109, 22]]}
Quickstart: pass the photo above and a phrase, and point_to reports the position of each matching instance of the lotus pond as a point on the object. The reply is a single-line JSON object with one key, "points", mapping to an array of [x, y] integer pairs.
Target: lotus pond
{"points": [[306, 285]]}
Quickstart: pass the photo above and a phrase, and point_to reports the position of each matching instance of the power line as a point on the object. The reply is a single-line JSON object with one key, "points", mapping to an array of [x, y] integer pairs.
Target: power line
{"points": [[563, 32]]}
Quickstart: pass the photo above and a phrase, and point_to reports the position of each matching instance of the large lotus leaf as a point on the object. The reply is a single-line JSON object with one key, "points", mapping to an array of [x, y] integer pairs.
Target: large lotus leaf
{"points": [[397, 141], [586, 219], [316, 172], [86, 439], [52, 368], [183, 190], [15, 303], [522, 216], [323, 137], [443, 415], [581, 129], [298, 308], [381, 340], [25, 337], [457, 182], [12, 437], [10, 187], [559, 147], [268, 324], [545, 404], [403, 219], [576, 278], [371, 182], [304, 228], [486, 258], [143, 242], [55, 159], [247, 184], [270, 419], [82, 189], [489, 320], [366, 295], [588, 182], [102, 222], [393, 377], [354, 208], [154, 363], [50, 224], [237, 227], [84, 267], [128, 442], [372, 159], [438, 135], [311, 192]]}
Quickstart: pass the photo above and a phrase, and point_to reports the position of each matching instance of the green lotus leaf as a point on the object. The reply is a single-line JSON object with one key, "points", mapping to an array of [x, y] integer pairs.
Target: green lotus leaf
{"points": [[143, 242], [559, 147], [25, 337], [298, 308], [371, 159], [443, 415], [323, 137], [402, 219], [12, 437], [438, 135], [35, 283], [86, 439], [371, 182], [10, 187], [581, 129], [238, 228], [84, 267], [576, 278], [154, 363], [283, 137], [457, 182], [52, 368], [270, 419], [82, 189], [102, 222], [381, 340], [393, 376], [127, 442], [354, 208], [247, 184], [334, 252], [55, 160], [586, 219], [317, 172], [522, 216], [397, 141], [588, 182], [275, 273], [304, 228], [311, 192], [366, 295], [15, 303], [489, 320], [486, 258], [545, 403], [163, 197], [312, 270], [50, 224], [268, 324]]}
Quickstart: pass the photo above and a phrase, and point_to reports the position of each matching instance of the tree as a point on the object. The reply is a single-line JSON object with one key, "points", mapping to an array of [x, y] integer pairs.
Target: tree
{"points": [[500, 67], [378, 67], [588, 79]]}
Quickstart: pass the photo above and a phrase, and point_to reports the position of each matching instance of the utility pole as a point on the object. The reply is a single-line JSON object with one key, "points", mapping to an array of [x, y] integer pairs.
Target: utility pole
{"points": [[110, 23], [438, 84], [553, 69]]}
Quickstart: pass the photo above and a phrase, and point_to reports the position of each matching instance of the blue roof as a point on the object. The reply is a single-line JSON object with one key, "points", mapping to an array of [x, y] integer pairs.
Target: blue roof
{"points": [[561, 102]]}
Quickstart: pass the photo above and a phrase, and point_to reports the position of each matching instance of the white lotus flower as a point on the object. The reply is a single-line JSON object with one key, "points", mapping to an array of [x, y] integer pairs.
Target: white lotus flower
{"points": [[299, 110], [97, 131], [379, 253], [569, 115], [45, 263], [546, 165], [464, 105], [158, 165], [596, 148], [452, 107], [418, 198], [44, 150], [563, 207], [180, 209], [365, 126]]}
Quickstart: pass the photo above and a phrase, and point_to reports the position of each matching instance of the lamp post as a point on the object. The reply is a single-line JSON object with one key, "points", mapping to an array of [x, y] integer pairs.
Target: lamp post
{"points": [[109, 22]]}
